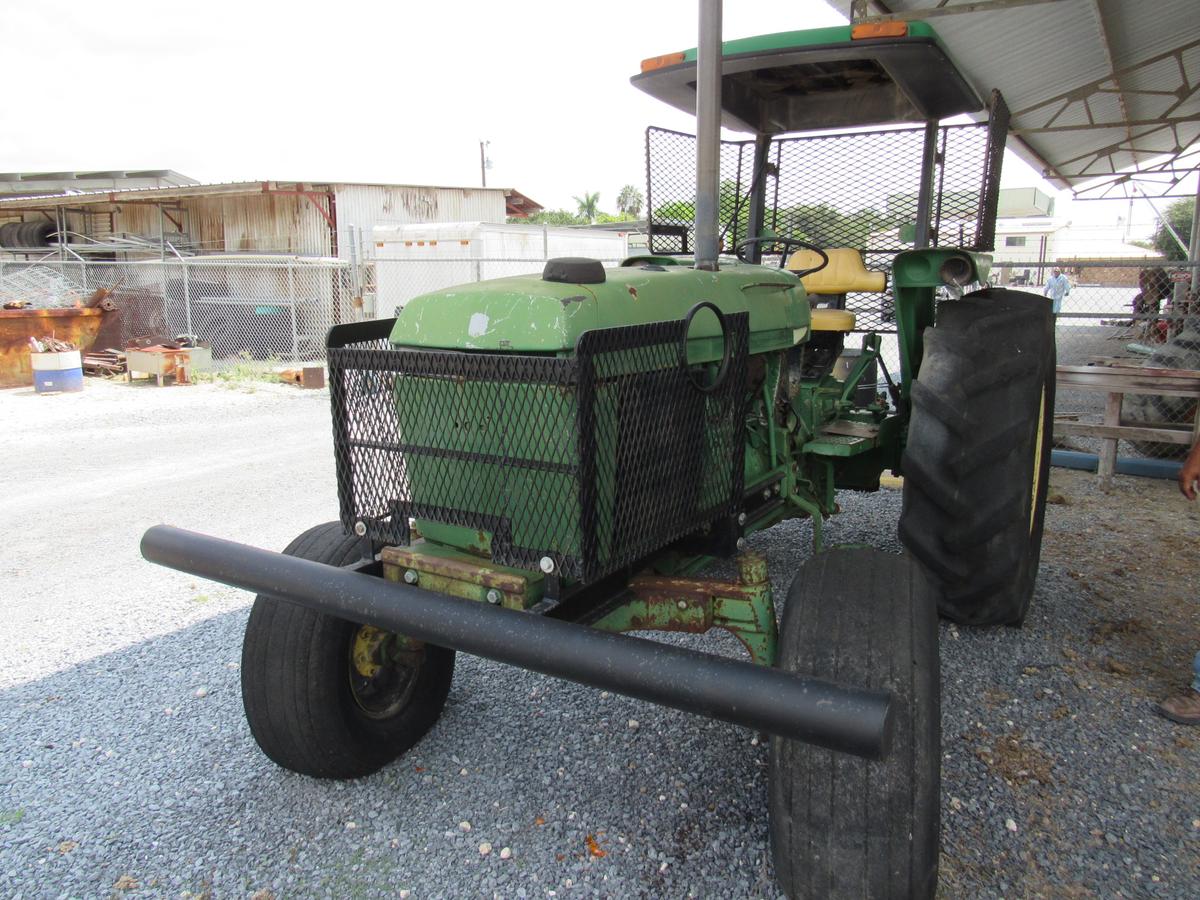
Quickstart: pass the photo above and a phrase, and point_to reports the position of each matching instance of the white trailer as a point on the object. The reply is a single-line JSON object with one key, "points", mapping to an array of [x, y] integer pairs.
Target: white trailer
{"points": [[415, 259]]}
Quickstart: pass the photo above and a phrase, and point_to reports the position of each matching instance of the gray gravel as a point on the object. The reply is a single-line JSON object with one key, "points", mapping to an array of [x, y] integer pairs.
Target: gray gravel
{"points": [[125, 759]]}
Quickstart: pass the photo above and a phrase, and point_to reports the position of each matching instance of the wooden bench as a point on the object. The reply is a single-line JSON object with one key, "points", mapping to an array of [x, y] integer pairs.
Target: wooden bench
{"points": [[1116, 381]]}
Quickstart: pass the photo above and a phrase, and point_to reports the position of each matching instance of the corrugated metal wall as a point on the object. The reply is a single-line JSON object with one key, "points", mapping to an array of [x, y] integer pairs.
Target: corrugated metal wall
{"points": [[259, 222], [367, 205]]}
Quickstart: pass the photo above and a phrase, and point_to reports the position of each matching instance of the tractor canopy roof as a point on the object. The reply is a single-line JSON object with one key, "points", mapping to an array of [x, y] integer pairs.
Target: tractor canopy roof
{"points": [[840, 77]]}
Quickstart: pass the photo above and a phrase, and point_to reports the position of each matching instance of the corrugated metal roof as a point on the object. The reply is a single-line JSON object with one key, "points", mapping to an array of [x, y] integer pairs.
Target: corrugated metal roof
{"points": [[40, 183], [226, 187], [1097, 88]]}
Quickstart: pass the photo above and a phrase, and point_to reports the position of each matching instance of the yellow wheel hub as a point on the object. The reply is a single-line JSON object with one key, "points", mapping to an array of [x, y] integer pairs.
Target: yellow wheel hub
{"points": [[365, 652]]}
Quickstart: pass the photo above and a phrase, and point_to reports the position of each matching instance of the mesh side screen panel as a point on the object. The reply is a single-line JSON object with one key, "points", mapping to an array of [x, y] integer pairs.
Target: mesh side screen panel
{"points": [[662, 458], [594, 460]]}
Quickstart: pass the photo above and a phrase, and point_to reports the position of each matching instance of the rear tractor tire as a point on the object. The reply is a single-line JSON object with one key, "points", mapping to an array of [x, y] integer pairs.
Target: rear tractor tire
{"points": [[842, 826], [330, 698], [977, 460]]}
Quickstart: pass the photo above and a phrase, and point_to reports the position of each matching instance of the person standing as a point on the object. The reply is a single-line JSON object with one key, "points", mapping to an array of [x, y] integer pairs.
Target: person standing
{"points": [[1056, 288], [1185, 709]]}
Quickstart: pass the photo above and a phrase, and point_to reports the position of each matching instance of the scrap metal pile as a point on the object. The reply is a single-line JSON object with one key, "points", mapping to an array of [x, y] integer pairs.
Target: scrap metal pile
{"points": [[40, 287], [104, 362], [50, 345]]}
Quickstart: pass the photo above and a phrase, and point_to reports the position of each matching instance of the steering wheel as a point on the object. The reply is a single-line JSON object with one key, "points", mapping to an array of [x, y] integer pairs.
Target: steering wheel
{"points": [[787, 244]]}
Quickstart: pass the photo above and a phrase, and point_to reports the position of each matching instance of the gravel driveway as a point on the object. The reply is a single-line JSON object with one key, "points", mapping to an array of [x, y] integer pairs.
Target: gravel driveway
{"points": [[126, 767]]}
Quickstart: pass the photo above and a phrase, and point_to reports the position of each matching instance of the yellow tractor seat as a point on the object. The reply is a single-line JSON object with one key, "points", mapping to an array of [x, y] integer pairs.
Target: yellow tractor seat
{"points": [[845, 273], [824, 319]]}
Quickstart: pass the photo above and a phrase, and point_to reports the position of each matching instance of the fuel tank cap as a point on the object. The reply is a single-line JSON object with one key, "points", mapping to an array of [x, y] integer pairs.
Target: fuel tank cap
{"points": [[574, 270]]}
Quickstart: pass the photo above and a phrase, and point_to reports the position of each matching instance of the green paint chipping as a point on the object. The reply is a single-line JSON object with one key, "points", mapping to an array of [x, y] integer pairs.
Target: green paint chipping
{"points": [[11, 816]]}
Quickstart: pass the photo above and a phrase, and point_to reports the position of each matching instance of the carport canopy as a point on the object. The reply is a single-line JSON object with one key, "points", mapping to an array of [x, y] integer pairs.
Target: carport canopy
{"points": [[1104, 95]]}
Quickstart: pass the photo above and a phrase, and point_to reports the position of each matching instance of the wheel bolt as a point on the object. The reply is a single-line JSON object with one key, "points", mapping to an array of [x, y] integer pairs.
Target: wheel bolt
{"points": [[411, 576], [493, 596]]}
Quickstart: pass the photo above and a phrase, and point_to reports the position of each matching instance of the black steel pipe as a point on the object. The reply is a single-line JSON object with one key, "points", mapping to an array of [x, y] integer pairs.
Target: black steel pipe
{"points": [[850, 720]]}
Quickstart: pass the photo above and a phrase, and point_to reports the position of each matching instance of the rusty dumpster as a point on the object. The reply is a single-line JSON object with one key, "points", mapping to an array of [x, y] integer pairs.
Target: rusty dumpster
{"points": [[17, 326]]}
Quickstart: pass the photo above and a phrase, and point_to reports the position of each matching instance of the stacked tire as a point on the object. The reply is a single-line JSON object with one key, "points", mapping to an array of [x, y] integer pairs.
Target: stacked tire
{"points": [[26, 235]]}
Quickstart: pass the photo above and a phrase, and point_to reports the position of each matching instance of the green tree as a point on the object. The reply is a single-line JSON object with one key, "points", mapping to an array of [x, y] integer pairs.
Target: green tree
{"points": [[630, 200], [820, 224], [1179, 214], [549, 217], [827, 226], [588, 205]]}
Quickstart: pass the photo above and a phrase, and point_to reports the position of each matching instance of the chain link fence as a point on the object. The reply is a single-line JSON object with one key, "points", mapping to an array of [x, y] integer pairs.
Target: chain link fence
{"points": [[276, 310], [1124, 312], [390, 283], [1128, 313]]}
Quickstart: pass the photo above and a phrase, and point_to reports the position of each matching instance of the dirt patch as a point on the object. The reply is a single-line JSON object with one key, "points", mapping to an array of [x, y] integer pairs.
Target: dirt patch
{"points": [[1011, 757], [1135, 551]]}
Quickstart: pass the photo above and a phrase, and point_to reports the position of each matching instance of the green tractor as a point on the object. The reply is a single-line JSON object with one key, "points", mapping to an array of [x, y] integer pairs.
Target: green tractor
{"points": [[530, 467]]}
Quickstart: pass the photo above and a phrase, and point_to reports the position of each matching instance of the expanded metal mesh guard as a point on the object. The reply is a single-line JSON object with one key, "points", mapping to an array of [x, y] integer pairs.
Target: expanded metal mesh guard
{"points": [[855, 190], [593, 460]]}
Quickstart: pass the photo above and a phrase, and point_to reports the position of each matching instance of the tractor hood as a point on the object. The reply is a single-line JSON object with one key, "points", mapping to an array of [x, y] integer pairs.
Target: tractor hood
{"points": [[528, 314]]}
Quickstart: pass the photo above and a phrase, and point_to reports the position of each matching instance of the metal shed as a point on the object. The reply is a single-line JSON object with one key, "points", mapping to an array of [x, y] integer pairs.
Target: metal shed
{"points": [[295, 218]]}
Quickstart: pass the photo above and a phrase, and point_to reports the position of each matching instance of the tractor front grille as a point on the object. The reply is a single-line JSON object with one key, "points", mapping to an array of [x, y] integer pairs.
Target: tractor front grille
{"points": [[594, 460]]}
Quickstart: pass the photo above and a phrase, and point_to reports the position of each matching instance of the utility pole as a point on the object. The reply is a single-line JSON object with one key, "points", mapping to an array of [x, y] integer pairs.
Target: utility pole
{"points": [[484, 162]]}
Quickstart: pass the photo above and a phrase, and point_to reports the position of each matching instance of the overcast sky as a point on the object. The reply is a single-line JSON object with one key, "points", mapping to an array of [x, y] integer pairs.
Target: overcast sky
{"points": [[355, 91]]}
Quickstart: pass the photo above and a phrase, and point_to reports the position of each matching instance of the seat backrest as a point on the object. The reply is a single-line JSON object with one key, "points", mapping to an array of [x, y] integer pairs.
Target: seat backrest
{"points": [[845, 273]]}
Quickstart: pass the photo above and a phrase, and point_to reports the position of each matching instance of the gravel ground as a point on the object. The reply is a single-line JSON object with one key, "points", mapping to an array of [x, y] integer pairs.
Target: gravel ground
{"points": [[126, 767]]}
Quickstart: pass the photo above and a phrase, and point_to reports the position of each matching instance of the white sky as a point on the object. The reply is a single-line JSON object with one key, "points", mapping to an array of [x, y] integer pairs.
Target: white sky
{"points": [[357, 91]]}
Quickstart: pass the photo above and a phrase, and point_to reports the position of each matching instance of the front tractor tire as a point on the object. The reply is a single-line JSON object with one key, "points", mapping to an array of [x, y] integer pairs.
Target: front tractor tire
{"points": [[844, 827], [977, 460], [331, 698]]}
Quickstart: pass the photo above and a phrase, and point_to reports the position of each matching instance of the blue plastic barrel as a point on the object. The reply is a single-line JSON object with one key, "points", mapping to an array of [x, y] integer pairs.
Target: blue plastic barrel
{"points": [[57, 372]]}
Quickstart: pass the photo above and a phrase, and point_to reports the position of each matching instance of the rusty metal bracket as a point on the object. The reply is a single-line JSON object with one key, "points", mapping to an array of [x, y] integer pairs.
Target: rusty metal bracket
{"points": [[744, 608], [445, 570]]}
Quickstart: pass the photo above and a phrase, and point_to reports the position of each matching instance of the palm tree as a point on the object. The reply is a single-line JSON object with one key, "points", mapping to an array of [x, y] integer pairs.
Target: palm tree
{"points": [[630, 201], [587, 205]]}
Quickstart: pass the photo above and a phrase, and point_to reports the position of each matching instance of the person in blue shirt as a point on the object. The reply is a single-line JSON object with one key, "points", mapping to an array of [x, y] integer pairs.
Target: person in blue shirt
{"points": [[1056, 288], [1185, 709]]}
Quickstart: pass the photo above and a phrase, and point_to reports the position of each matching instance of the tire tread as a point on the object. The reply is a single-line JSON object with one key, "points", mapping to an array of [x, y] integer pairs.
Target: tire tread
{"points": [[967, 494], [863, 618]]}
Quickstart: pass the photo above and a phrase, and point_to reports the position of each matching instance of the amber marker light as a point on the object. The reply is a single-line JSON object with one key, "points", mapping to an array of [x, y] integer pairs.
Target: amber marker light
{"points": [[661, 62], [876, 30]]}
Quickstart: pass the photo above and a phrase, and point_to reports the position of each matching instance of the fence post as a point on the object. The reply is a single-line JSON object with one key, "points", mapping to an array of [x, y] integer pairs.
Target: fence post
{"points": [[292, 302], [187, 295]]}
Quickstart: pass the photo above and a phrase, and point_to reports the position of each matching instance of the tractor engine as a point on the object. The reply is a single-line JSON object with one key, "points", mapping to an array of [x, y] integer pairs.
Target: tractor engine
{"points": [[569, 424]]}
